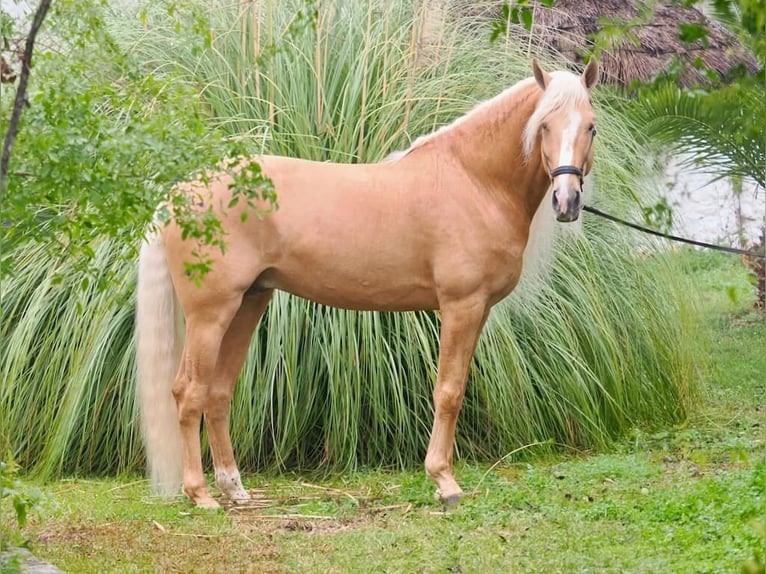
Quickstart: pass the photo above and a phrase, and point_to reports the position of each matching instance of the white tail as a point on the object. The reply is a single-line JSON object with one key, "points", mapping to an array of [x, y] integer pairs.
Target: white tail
{"points": [[158, 349]]}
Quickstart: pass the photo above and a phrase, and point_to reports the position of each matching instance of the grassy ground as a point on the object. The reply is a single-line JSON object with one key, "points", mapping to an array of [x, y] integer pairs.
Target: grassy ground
{"points": [[666, 500]]}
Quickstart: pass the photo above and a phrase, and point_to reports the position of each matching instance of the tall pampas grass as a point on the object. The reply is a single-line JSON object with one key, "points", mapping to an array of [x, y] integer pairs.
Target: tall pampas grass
{"points": [[601, 342]]}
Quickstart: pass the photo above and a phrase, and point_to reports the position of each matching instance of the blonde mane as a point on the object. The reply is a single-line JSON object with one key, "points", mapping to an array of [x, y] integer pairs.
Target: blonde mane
{"points": [[564, 90], [479, 109]]}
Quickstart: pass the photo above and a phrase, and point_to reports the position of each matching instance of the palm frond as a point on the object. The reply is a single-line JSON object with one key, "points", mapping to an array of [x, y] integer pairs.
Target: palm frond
{"points": [[721, 132]]}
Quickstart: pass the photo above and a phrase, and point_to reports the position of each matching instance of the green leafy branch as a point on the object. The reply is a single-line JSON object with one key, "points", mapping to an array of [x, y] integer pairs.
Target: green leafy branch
{"points": [[519, 12], [23, 499]]}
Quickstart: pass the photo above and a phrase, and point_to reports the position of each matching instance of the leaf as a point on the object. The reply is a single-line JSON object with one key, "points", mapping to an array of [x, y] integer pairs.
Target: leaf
{"points": [[526, 16], [20, 506], [690, 33], [498, 29]]}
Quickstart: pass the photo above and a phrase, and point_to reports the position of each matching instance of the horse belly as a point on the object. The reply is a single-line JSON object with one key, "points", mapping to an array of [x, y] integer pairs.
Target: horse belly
{"points": [[347, 285]]}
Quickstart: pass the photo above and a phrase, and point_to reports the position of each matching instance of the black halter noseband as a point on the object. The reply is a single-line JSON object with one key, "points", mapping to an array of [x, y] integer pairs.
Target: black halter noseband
{"points": [[562, 169], [570, 169]]}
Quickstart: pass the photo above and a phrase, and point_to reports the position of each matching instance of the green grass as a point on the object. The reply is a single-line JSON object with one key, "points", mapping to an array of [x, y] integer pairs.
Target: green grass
{"points": [[675, 499]]}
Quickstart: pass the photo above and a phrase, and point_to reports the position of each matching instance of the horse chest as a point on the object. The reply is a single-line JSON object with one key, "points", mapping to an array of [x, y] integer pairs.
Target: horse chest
{"points": [[504, 272]]}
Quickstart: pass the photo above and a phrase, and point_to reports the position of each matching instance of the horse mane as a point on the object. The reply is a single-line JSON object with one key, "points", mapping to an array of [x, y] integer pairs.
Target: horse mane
{"points": [[564, 90], [480, 109]]}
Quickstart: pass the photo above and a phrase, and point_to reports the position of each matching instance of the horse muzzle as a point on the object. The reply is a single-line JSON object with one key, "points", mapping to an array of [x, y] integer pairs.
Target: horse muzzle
{"points": [[567, 196], [570, 211]]}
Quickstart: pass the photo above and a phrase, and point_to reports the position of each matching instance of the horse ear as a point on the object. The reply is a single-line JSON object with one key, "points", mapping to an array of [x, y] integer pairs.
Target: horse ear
{"points": [[541, 75], [589, 76]]}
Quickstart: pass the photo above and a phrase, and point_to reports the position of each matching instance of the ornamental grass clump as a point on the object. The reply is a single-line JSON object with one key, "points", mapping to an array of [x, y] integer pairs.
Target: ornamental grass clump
{"points": [[603, 340]]}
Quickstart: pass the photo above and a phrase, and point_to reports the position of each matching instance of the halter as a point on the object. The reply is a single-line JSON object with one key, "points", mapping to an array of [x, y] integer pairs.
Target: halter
{"points": [[568, 169]]}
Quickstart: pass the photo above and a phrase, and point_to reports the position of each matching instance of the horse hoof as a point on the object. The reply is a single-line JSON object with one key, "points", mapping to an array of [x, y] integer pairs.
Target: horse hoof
{"points": [[449, 499], [207, 503], [239, 496], [452, 500], [200, 497]]}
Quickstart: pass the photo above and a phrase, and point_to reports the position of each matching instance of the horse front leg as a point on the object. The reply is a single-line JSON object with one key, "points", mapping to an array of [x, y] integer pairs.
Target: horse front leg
{"points": [[461, 324]]}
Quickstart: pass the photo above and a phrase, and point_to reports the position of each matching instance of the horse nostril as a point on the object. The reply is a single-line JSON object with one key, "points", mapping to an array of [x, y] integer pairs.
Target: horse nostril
{"points": [[555, 200]]}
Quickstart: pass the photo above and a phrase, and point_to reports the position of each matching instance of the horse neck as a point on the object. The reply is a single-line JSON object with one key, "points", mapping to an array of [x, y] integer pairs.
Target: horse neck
{"points": [[490, 146]]}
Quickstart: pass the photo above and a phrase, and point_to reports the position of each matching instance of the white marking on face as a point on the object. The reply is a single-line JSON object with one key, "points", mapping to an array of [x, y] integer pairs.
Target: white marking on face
{"points": [[566, 154], [568, 137]]}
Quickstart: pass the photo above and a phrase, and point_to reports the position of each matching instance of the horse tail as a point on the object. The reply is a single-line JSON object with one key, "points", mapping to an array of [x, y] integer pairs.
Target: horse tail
{"points": [[159, 344]]}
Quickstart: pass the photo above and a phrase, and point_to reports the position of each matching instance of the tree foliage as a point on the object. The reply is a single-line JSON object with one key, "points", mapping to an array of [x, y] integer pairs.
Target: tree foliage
{"points": [[720, 131], [101, 141]]}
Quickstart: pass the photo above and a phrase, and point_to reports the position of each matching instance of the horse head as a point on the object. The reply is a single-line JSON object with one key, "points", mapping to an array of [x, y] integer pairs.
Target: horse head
{"points": [[565, 123]]}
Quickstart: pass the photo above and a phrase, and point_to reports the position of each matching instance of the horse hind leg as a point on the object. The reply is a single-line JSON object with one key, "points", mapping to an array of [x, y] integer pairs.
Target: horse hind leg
{"points": [[205, 329], [230, 360]]}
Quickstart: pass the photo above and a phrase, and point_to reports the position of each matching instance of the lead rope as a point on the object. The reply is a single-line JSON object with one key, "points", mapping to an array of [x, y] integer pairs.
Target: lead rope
{"points": [[643, 229]]}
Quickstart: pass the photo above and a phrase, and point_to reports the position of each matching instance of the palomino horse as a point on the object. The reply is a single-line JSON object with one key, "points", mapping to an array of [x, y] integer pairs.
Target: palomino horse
{"points": [[443, 226]]}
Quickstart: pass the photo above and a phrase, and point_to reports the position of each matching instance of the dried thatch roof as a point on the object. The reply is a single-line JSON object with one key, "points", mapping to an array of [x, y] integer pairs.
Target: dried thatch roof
{"points": [[647, 49]]}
